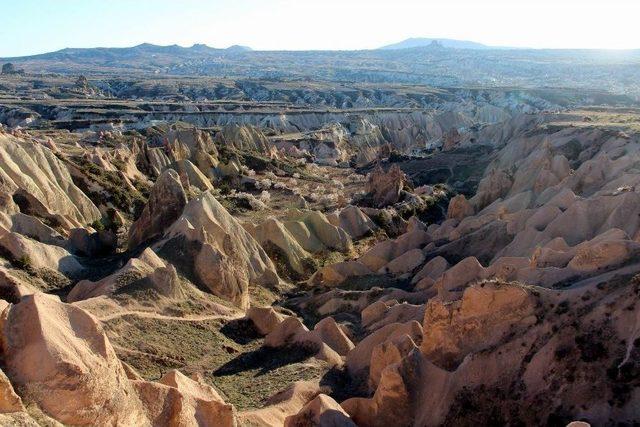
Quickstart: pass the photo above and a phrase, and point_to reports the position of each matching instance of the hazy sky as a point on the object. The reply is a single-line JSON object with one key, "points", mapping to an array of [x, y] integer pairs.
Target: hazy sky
{"points": [[36, 26]]}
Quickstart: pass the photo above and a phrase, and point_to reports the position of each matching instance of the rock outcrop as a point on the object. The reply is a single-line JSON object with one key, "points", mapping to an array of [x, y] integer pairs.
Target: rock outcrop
{"points": [[281, 405], [265, 319], [179, 400], [298, 237], [31, 253], [147, 272], [385, 187], [165, 205], [459, 208], [327, 338], [220, 252], [321, 411], [41, 185], [61, 356], [355, 222]]}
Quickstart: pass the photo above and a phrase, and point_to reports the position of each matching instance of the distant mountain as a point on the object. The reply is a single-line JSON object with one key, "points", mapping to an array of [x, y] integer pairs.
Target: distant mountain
{"points": [[239, 48], [438, 64], [142, 50], [423, 42]]}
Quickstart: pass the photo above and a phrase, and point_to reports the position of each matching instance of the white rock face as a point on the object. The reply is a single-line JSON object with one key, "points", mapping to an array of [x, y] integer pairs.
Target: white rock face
{"points": [[39, 255], [42, 180], [273, 232]]}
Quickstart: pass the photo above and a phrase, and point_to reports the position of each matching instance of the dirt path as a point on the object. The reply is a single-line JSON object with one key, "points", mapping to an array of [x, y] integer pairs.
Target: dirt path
{"points": [[151, 315]]}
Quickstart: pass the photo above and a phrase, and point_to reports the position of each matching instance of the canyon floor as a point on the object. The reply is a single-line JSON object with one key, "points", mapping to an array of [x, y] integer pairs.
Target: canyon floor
{"points": [[196, 251]]}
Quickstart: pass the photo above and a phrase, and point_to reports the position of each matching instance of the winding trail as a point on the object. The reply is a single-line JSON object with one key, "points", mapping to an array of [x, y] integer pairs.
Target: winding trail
{"points": [[151, 315]]}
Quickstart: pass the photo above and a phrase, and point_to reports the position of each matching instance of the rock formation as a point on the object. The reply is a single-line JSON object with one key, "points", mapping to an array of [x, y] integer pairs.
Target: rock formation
{"points": [[166, 202], [385, 187], [147, 271], [69, 368], [41, 185], [224, 257]]}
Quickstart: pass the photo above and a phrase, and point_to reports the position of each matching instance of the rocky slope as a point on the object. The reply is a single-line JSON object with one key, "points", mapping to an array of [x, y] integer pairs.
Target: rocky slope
{"points": [[308, 269]]}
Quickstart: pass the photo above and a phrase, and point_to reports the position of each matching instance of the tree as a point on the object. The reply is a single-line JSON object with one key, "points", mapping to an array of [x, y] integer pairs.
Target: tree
{"points": [[8, 68]]}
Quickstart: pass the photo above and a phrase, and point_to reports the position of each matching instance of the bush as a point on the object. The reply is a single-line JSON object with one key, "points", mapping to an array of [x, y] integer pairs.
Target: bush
{"points": [[98, 225], [24, 262]]}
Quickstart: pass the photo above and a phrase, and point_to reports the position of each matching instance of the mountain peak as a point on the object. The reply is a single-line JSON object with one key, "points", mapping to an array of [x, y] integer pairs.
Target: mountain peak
{"points": [[417, 42], [239, 48]]}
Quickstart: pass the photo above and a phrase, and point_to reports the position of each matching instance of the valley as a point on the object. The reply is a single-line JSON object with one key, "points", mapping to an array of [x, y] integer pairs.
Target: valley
{"points": [[232, 238]]}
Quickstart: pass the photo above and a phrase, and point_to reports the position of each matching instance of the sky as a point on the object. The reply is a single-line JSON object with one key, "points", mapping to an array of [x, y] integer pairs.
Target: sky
{"points": [[37, 26]]}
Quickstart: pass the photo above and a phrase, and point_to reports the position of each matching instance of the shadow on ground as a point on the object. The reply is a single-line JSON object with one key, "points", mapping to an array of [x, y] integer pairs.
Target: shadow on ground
{"points": [[265, 359], [241, 331]]}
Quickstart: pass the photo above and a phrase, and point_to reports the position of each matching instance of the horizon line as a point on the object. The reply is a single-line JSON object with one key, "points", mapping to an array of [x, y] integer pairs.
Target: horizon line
{"points": [[384, 47]]}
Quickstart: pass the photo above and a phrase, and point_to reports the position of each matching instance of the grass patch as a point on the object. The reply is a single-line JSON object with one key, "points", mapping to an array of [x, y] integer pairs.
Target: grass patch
{"points": [[229, 355]]}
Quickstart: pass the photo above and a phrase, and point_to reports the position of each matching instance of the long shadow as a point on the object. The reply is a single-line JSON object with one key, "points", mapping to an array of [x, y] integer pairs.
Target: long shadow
{"points": [[365, 283], [241, 331], [265, 360], [341, 386]]}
